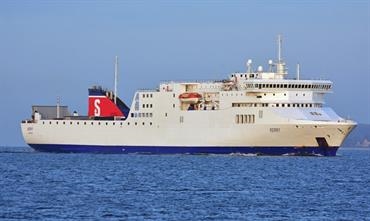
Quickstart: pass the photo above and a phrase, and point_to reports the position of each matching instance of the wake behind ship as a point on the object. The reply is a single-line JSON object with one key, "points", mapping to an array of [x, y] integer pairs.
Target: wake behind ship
{"points": [[254, 112]]}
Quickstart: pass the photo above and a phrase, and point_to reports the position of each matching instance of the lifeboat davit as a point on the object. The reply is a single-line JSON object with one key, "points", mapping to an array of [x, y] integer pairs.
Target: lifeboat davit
{"points": [[190, 98]]}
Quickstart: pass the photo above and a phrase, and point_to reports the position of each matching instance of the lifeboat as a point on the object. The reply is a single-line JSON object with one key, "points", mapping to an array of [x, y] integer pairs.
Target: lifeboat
{"points": [[190, 98]]}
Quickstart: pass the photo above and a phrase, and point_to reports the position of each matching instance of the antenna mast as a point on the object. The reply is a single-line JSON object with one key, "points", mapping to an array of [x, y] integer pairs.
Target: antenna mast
{"points": [[280, 65], [115, 79], [298, 71], [279, 48], [58, 107]]}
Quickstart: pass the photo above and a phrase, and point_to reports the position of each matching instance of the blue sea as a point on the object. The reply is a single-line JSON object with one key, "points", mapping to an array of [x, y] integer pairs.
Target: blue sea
{"points": [[49, 186]]}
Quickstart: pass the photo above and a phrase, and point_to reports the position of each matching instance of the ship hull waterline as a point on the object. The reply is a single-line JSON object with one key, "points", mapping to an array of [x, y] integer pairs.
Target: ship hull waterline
{"points": [[269, 151]]}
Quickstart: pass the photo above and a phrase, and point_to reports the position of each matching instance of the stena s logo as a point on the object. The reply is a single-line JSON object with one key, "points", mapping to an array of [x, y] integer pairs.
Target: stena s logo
{"points": [[97, 107]]}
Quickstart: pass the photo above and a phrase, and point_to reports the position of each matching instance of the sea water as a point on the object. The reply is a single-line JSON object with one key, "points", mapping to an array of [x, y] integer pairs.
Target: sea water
{"points": [[49, 186]]}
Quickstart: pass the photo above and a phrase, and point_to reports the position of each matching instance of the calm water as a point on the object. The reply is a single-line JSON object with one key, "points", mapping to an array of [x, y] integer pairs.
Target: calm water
{"points": [[43, 186]]}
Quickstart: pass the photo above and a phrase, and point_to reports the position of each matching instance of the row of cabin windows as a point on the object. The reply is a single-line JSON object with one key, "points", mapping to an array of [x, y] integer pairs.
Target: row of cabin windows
{"points": [[92, 123], [259, 96], [147, 95], [274, 105], [147, 105], [299, 86], [141, 114], [245, 118]]}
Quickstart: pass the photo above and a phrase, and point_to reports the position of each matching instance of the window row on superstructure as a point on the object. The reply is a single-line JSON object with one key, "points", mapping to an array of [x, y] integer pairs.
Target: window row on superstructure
{"points": [[144, 95], [134, 115], [275, 105], [147, 105], [298, 86], [245, 118]]}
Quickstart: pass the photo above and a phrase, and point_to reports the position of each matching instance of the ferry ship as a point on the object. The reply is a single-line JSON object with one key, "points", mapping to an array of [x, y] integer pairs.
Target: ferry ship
{"points": [[253, 112]]}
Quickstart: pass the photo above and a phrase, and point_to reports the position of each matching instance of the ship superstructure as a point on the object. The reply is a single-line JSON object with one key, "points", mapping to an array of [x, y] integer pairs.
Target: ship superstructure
{"points": [[257, 111]]}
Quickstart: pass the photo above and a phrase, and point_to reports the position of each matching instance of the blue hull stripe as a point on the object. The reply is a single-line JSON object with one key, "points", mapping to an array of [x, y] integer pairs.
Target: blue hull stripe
{"points": [[69, 148]]}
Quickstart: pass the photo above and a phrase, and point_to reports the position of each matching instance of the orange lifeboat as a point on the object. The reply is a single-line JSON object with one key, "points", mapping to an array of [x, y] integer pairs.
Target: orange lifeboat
{"points": [[190, 98]]}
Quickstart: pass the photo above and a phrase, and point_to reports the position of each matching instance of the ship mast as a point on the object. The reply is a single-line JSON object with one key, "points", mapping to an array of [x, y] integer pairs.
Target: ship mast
{"points": [[280, 41], [115, 79], [280, 65]]}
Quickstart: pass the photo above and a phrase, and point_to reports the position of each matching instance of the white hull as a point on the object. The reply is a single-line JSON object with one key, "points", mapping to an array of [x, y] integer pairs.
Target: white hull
{"points": [[210, 128]]}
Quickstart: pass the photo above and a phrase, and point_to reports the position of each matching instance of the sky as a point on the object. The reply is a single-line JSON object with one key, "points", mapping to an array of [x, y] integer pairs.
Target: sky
{"points": [[51, 49]]}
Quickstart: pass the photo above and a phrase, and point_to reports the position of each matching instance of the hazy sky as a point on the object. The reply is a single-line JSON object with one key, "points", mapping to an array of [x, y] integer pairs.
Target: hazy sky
{"points": [[60, 48]]}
